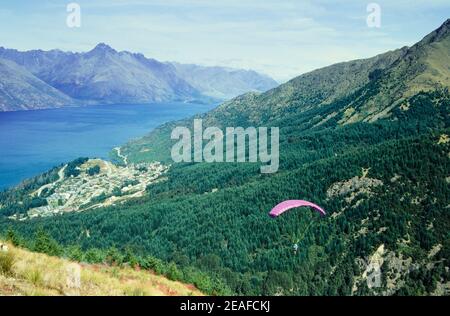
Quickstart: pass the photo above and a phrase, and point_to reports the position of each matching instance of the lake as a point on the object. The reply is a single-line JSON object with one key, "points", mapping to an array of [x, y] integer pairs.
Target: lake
{"points": [[32, 142]]}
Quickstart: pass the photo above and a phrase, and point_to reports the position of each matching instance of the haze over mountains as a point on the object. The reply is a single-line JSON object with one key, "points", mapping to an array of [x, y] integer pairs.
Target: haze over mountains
{"points": [[223, 83], [106, 76], [20, 88]]}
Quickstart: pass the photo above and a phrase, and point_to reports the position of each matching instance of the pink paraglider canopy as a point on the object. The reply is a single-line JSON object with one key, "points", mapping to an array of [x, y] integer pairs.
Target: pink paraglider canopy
{"points": [[287, 205]]}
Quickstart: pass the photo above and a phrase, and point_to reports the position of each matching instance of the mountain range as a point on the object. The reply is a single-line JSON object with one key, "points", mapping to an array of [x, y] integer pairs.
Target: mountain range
{"points": [[106, 76], [367, 140]]}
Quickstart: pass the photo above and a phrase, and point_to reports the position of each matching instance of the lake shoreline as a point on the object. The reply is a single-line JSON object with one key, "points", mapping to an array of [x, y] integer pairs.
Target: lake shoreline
{"points": [[35, 141]]}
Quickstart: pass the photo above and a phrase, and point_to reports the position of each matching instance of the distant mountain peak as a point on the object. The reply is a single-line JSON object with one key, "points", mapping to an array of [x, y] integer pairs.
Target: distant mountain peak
{"points": [[102, 47]]}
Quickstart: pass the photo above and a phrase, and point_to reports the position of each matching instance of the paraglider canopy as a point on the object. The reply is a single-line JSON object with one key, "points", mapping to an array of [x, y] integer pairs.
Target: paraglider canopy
{"points": [[287, 205]]}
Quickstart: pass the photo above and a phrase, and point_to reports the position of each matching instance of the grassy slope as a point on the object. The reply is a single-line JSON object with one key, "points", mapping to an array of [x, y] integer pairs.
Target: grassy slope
{"points": [[39, 274]]}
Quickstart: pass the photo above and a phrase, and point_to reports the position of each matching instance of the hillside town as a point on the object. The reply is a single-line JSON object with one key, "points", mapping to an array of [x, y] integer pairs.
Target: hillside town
{"points": [[99, 183]]}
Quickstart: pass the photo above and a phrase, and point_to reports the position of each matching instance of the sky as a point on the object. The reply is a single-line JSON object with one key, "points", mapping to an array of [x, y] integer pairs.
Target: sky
{"points": [[281, 38]]}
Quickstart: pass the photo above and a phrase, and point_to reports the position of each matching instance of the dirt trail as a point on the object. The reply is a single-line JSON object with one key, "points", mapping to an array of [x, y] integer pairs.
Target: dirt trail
{"points": [[123, 157], [61, 177]]}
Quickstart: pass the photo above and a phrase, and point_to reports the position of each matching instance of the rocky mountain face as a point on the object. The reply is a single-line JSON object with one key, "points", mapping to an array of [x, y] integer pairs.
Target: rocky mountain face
{"points": [[106, 76]]}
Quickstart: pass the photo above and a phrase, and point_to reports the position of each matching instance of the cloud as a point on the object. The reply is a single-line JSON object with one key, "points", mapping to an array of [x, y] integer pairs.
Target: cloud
{"points": [[282, 38]]}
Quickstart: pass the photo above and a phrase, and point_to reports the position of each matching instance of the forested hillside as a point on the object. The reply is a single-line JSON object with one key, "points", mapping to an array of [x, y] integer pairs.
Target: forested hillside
{"points": [[377, 159]]}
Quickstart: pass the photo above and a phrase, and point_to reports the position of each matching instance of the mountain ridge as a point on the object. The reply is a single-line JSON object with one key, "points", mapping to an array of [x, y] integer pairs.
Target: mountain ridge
{"points": [[420, 68], [104, 75]]}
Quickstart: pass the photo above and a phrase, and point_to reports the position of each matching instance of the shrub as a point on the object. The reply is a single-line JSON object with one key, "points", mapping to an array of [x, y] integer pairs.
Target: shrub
{"points": [[6, 263], [44, 243], [94, 170], [35, 277], [173, 273]]}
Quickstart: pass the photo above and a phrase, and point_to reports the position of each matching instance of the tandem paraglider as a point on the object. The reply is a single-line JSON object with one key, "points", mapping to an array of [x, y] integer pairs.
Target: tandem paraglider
{"points": [[292, 204]]}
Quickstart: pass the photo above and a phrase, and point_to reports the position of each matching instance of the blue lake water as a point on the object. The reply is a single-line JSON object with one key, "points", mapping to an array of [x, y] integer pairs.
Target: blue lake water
{"points": [[32, 142]]}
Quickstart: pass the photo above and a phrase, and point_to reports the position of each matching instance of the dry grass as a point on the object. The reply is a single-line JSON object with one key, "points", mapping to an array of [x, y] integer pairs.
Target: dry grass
{"points": [[38, 274]]}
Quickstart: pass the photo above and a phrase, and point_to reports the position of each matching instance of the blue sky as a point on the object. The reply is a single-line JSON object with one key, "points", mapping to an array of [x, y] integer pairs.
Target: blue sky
{"points": [[282, 38]]}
